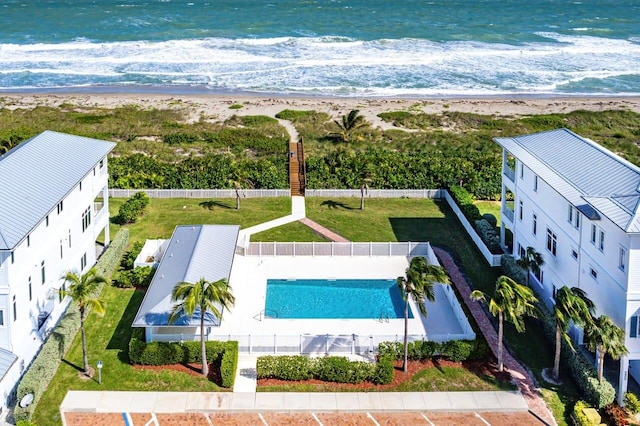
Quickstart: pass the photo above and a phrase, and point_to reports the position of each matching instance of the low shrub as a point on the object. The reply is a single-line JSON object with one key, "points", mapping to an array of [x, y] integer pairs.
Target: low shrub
{"points": [[180, 138], [44, 366], [130, 256], [511, 269], [616, 415], [292, 115], [631, 403], [454, 350], [338, 369], [26, 423], [583, 416], [295, 367], [137, 277], [491, 219], [229, 364], [464, 200], [383, 371], [132, 209], [489, 235]]}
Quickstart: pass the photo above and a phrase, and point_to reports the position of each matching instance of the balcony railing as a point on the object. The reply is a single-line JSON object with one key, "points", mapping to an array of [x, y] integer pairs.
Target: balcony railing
{"points": [[508, 213], [509, 172]]}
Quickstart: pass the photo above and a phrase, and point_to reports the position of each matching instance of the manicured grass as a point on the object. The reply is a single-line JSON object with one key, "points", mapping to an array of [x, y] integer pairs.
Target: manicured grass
{"points": [[294, 231], [163, 214], [436, 379], [492, 207], [108, 341]]}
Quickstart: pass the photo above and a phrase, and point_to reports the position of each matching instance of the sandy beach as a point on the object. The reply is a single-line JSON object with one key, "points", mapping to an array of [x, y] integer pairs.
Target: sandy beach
{"points": [[217, 107]]}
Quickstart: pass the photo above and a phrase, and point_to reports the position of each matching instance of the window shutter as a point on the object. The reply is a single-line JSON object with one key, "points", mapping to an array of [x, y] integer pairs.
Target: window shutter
{"points": [[634, 327]]}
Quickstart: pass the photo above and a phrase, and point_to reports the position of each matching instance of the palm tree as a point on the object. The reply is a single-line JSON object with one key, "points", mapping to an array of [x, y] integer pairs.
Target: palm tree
{"points": [[203, 296], [239, 182], [605, 337], [510, 302], [364, 189], [572, 305], [530, 262], [418, 284], [349, 123], [83, 290]]}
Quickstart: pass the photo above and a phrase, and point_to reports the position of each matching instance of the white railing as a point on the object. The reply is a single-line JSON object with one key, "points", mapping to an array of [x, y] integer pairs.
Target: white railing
{"points": [[492, 259], [375, 193], [509, 172], [161, 337], [200, 193], [325, 343], [508, 213], [339, 249]]}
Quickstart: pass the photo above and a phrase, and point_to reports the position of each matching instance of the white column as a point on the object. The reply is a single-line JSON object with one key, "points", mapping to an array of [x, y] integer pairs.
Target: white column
{"points": [[105, 206], [624, 378]]}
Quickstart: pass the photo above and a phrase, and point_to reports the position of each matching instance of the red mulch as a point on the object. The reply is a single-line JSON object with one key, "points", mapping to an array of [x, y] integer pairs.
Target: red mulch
{"points": [[192, 369], [478, 367]]}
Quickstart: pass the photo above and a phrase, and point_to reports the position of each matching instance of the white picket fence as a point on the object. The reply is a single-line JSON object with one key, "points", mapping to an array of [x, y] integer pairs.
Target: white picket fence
{"points": [[340, 249], [200, 193], [376, 193]]}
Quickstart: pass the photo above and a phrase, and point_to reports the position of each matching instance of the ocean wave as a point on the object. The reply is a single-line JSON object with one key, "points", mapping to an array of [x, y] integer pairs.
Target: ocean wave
{"points": [[335, 65]]}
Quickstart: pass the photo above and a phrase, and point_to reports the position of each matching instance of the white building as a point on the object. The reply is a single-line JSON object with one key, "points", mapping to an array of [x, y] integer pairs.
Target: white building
{"points": [[53, 209], [577, 204]]}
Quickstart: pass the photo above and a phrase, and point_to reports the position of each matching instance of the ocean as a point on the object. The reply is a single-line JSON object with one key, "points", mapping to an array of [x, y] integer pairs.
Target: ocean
{"points": [[351, 48]]}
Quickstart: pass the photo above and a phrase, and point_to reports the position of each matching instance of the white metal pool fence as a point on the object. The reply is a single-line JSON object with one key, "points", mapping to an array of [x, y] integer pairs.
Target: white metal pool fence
{"points": [[312, 344], [341, 249], [260, 193]]}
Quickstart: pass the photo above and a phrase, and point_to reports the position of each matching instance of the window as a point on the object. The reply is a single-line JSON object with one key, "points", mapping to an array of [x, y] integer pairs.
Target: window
{"points": [[13, 258], [60, 207], [46, 220], [61, 253], [570, 214], [30, 292], [535, 224], [593, 234], [594, 273], [102, 163], [94, 171], [69, 238], [554, 291], [43, 275], [539, 274], [633, 327], [552, 241], [521, 171], [521, 251], [520, 210], [15, 308], [577, 223], [601, 241], [574, 254], [1, 317], [28, 240], [86, 219], [622, 258], [83, 262], [80, 186], [535, 183]]}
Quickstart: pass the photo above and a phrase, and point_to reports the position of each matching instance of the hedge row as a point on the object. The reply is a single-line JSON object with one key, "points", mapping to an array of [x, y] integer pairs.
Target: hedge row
{"points": [[334, 369], [511, 269], [133, 208], [224, 354], [454, 350], [489, 235], [579, 367], [44, 366]]}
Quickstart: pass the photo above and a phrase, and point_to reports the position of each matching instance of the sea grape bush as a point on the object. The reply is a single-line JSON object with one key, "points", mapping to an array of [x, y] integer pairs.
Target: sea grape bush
{"points": [[133, 208]]}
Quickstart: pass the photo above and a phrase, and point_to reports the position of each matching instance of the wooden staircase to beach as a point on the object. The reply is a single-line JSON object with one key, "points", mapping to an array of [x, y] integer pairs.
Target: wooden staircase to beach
{"points": [[297, 169]]}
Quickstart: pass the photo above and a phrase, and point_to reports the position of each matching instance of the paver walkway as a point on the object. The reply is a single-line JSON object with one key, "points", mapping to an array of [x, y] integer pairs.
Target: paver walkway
{"points": [[327, 233], [521, 375]]}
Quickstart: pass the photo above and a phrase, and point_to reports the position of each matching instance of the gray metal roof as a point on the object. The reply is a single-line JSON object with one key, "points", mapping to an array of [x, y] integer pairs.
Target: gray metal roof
{"points": [[37, 174], [6, 361], [582, 171], [194, 252]]}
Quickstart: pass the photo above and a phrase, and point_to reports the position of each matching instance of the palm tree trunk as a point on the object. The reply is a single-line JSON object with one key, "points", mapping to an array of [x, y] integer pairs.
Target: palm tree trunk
{"points": [[405, 366], [500, 333], [556, 360], [361, 200], [85, 357], [600, 365], [237, 200], [205, 365]]}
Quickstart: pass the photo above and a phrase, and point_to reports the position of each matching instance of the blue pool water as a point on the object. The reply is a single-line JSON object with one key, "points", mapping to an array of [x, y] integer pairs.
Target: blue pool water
{"points": [[341, 299]]}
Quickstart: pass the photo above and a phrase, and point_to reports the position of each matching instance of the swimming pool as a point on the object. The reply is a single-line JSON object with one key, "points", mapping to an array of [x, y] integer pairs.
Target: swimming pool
{"points": [[337, 299]]}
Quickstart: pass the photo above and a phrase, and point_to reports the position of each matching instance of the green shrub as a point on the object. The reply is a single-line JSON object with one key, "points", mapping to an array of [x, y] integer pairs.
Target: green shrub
{"points": [[489, 235], [460, 195], [137, 277], [235, 106], [179, 138], [229, 364], [491, 219], [130, 256], [511, 269], [338, 369], [457, 350], [631, 403], [394, 350], [44, 366], [296, 367], [581, 417], [292, 115], [26, 423], [383, 371], [133, 208]]}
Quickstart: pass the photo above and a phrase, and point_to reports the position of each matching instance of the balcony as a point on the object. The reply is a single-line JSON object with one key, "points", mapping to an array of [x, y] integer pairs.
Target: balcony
{"points": [[509, 172], [507, 213]]}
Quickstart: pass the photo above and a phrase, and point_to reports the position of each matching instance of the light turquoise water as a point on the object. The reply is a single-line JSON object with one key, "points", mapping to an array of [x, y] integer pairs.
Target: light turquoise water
{"points": [[322, 47], [339, 299]]}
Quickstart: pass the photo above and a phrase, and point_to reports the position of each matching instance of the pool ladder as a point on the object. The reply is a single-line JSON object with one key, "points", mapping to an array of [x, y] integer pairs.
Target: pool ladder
{"points": [[384, 316], [265, 313]]}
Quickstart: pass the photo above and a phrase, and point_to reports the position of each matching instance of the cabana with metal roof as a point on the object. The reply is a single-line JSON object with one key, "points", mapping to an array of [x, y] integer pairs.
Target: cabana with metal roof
{"points": [[194, 252]]}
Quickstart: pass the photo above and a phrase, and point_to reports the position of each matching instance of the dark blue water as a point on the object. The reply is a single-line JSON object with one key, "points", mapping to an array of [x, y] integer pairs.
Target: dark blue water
{"points": [[349, 47]]}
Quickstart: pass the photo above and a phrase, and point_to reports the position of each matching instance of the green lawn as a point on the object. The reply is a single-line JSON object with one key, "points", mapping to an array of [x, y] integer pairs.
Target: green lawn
{"points": [[294, 231], [492, 207], [163, 214]]}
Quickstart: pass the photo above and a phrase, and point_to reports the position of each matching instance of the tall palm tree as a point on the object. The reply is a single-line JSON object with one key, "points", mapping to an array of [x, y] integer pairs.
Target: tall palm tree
{"points": [[572, 305], [418, 284], [203, 296], [605, 337], [350, 122], [83, 291], [510, 302], [530, 262], [364, 189], [240, 181]]}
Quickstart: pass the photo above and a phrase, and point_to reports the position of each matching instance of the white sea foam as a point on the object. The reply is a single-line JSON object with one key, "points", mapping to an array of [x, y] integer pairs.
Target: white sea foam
{"points": [[335, 65]]}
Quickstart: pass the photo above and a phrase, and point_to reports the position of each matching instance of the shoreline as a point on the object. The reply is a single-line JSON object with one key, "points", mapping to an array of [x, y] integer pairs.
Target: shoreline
{"points": [[216, 107]]}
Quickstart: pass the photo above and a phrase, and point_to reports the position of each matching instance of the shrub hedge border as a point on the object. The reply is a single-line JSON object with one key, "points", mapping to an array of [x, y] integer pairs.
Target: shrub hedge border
{"points": [[45, 364]]}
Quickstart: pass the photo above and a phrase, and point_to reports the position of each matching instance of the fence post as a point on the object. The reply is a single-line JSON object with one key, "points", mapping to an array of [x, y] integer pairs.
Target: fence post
{"points": [[275, 345], [326, 345], [351, 249], [389, 248], [353, 344], [313, 248], [294, 249], [331, 248], [370, 249], [300, 335], [249, 344], [274, 249]]}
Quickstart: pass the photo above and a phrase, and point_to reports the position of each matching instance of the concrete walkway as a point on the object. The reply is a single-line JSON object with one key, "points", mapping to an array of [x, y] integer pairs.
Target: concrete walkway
{"points": [[523, 377], [298, 211], [246, 375], [184, 402]]}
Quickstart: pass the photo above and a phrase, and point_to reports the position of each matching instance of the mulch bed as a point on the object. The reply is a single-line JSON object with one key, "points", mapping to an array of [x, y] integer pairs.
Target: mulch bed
{"points": [[486, 368]]}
